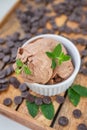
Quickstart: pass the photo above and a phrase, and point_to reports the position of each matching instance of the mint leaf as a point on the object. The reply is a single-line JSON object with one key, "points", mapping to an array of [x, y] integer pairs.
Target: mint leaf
{"points": [[26, 69], [48, 110], [50, 54], [82, 91], [59, 55], [53, 64], [66, 57], [74, 97], [19, 63], [32, 108], [57, 50], [18, 71]]}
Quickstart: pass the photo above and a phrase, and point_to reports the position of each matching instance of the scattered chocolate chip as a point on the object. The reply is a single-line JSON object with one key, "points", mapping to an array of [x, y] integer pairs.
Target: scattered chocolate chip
{"points": [[6, 59], [25, 94], [10, 44], [2, 81], [2, 41], [18, 100], [23, 87], [2, 74], [4, 87], [9, 70], [1, 49], [15, 37], [2, 64], [1, 55], [63, 121], [60, 99], [7, 101], [38, 101], [46, 100], [77, 113], [30, 98], [81, 40], [81, 127], [84, 71], [84, 53], [6, 50], [14, 81]]}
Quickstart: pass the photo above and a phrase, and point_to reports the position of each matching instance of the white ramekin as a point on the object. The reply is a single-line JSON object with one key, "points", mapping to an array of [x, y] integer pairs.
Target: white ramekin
{"points": [[51, 90]]}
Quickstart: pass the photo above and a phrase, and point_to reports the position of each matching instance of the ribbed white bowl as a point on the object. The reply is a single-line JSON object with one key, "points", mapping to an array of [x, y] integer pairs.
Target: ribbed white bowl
{"points": [[50, 90]]}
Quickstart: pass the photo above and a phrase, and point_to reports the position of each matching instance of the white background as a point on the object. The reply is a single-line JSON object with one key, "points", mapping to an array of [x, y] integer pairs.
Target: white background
{"points": [[8, 124]]}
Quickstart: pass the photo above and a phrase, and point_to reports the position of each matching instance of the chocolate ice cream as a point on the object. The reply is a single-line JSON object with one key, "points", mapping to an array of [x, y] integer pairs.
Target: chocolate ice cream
{"points": [[34, 56]]}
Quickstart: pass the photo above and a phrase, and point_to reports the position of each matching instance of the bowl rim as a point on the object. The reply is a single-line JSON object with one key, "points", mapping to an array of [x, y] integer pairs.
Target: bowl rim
{"points": [[76, 69]]}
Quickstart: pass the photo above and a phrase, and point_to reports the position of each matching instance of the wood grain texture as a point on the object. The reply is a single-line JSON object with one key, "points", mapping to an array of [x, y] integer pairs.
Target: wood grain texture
{"points": [[23, 119], [39, 118], [22, 116], [68, 108]]}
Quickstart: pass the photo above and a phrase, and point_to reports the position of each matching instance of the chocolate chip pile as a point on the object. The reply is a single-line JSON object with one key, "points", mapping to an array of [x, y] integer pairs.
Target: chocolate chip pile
{"points": [[33, 21], [8, 51]]}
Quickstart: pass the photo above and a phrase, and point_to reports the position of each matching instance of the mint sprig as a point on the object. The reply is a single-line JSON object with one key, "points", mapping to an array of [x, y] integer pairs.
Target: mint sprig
{"points": [[26, 69], [32, 108], [57, 55], [73, 97], [21, 66], [75, 92], [48, 110]]}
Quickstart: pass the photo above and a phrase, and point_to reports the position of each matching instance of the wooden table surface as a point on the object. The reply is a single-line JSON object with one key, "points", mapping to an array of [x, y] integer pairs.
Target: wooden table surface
{"points": [[40, 122]]}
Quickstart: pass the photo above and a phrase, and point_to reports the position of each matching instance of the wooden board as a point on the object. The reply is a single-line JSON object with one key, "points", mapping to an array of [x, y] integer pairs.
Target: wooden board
{"points": [[21, 115], [68, 108]]}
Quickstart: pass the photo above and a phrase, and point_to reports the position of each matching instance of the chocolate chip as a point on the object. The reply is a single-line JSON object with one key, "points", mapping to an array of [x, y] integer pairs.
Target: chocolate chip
{"points": [[76, 30], [33, 30], [84, 71], [60, 99], [6, 59], [9, 70], [2, 81], [2, 74], [4, 87], [46, 100], [18, 100], [30, 98], [81, 127], [25, 94], [81, 40], [1, 55], [14, 81], [7, 101], [55, 27], [38, 101], [2, 41], [2, 64], [84, 53], [10, 44], [15, 37], [77, 113], [63, 121], [1, 49], [23, 87], [6, 50]]}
